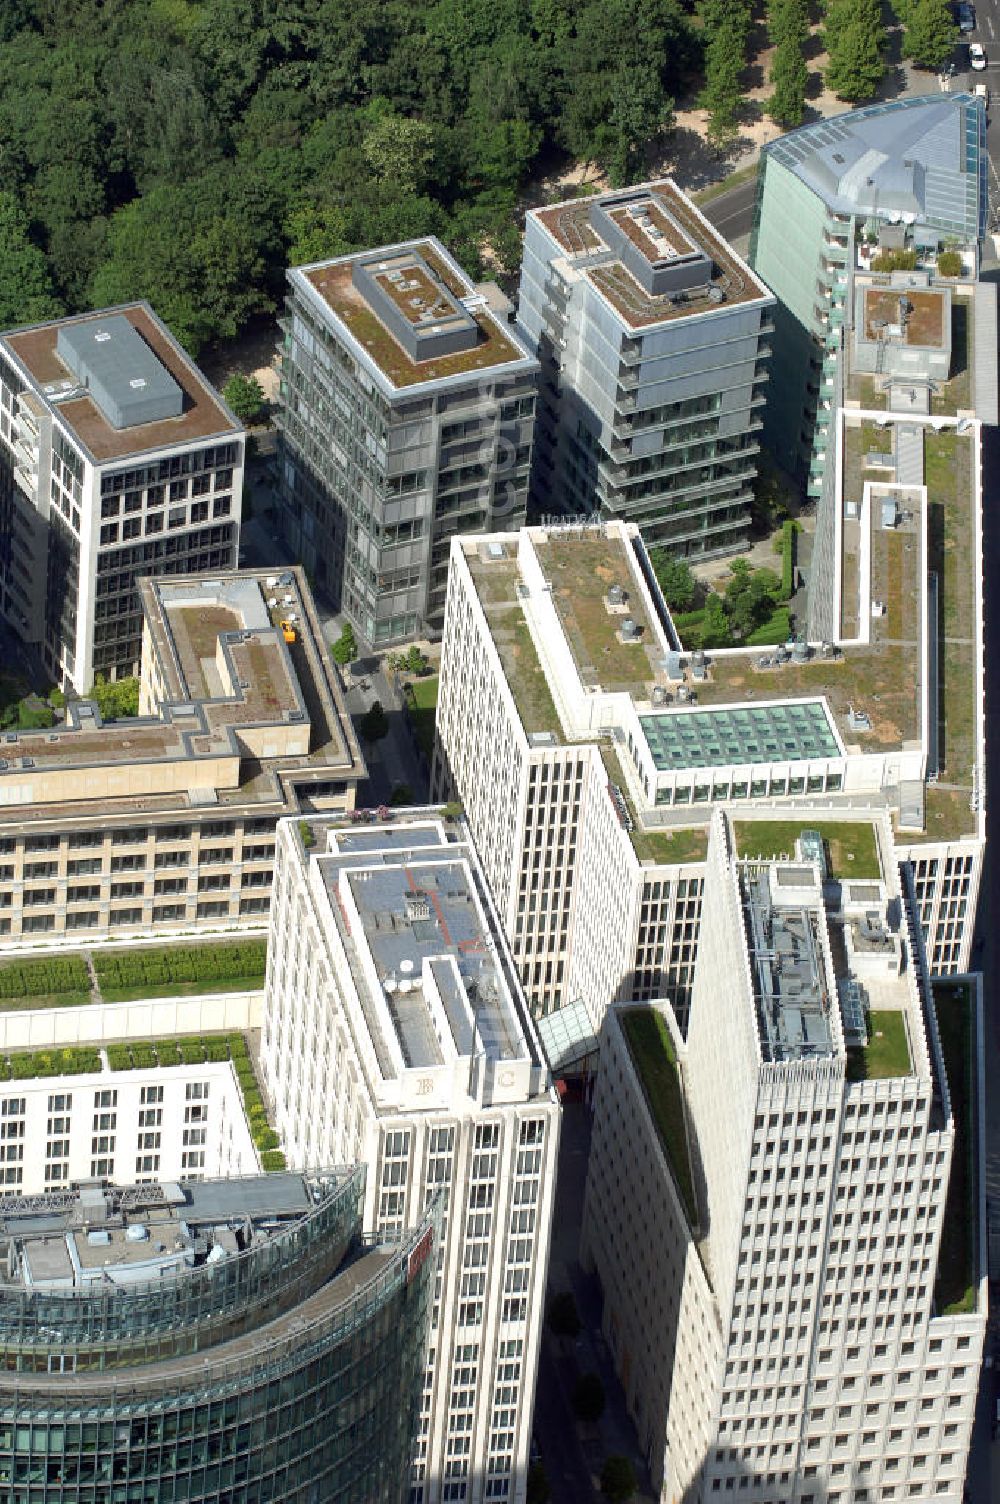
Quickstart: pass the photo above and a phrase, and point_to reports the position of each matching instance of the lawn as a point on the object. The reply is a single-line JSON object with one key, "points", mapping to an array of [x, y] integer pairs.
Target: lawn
{"points": [[180, 970], [673, 846], [887, 1053], [851, 847], [655, 1061], [421, 707], [955, 1288], [56, 982]]}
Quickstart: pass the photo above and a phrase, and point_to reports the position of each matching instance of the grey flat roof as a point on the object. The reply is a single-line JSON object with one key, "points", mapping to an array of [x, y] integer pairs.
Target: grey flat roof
{"points": [[923, 158], [786, 959], [120, 371], [421, 906]]}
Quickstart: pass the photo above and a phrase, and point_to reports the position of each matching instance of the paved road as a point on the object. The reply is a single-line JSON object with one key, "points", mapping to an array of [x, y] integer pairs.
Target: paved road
{"points": [[732, 212]]}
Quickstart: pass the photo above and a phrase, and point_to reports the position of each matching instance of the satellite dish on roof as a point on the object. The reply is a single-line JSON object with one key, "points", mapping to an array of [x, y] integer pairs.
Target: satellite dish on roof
{"points": [[406, 966]]}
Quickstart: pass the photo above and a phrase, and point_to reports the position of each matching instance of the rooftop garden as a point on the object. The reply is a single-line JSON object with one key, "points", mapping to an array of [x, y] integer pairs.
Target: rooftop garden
{"points": [[851, 846], [655, 1060], [29, 1065], [49, 982], [887, 1053], [955, 1287], [150, 1054], [581, 570], [496, 588], [751, 611], [123, 975], [952, 556], [668, 846], [180, 970]]}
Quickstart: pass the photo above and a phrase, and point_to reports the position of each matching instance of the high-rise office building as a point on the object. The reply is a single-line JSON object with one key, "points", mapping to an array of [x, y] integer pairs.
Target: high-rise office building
{"points": [[653, 337], [892, 185], [794, 1313], [117, 459], [395, 1035], [213, 1340], [164, 822], [406, 416], [588, 746]]}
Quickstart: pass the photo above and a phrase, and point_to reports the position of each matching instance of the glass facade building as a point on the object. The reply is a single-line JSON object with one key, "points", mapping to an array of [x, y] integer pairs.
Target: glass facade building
{"points": [[916, 164], [289, 1371]]}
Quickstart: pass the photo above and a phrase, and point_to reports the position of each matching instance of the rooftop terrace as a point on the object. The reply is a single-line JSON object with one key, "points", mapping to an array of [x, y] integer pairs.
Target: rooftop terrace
{"points": [[202, 414], [671, 229], [427, 300], [412, 911], [230, 694], [924, 311]]}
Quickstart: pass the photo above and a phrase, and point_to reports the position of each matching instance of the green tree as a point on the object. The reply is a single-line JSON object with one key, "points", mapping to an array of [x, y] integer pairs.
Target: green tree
{"points": [[788, 24], [726, 25], [675, 580], [931, 34], [400, 151], [26, 295], [198, 253], [374, 724], [588, 1398], [245, 396], [415, 661], [715, 627], [345, 649], [855, 40], [751, 597], [117, 699], [617, 1480], [401, 796]]}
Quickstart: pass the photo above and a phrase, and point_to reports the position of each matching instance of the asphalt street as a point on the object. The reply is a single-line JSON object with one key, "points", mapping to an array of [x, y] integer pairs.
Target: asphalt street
{"points": [[732, 212]]}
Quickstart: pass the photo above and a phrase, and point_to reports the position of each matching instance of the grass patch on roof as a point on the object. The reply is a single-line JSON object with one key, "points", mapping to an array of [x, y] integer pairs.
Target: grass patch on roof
{"points": [[851, 846], [655, 1060], [887, 1053]]}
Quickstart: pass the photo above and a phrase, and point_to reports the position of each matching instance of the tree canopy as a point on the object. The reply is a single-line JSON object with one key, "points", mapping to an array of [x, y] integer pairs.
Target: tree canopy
{"points": [[187, 151]]}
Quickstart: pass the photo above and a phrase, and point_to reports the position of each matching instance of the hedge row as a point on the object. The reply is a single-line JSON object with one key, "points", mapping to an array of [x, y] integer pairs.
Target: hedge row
{"points": [[28, 1064], [181, 963], [43, 977], [144, 1054]]}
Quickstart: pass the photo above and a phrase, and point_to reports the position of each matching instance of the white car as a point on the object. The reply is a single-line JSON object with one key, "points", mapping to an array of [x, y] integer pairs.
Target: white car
{"points": [[977, 57]]}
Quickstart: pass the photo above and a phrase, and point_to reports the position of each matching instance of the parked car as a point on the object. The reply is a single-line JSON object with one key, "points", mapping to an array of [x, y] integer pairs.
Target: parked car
{"points": [[977, 57], [980, 91], [966, 18]]}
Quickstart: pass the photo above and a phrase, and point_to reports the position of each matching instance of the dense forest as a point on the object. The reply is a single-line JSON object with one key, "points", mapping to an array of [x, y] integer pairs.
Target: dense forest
{"points": [[188, 150]]}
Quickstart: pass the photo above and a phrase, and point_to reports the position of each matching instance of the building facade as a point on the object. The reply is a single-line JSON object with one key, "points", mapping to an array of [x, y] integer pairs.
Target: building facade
{"points": [[900, 180], [117, 459], [653, 337], [395, 1032], [406, 416], [228, 1338], [180, 1122], [797, 1318], [588, 747], [165, 822]]}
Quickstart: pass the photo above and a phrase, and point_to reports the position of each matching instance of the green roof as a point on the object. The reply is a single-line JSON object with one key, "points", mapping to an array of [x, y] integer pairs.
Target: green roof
{"points": [[751, 734]]}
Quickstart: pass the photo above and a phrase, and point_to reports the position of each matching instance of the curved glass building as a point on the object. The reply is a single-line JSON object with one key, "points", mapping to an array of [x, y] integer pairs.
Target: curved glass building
{"points": [[228, 1340]]}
